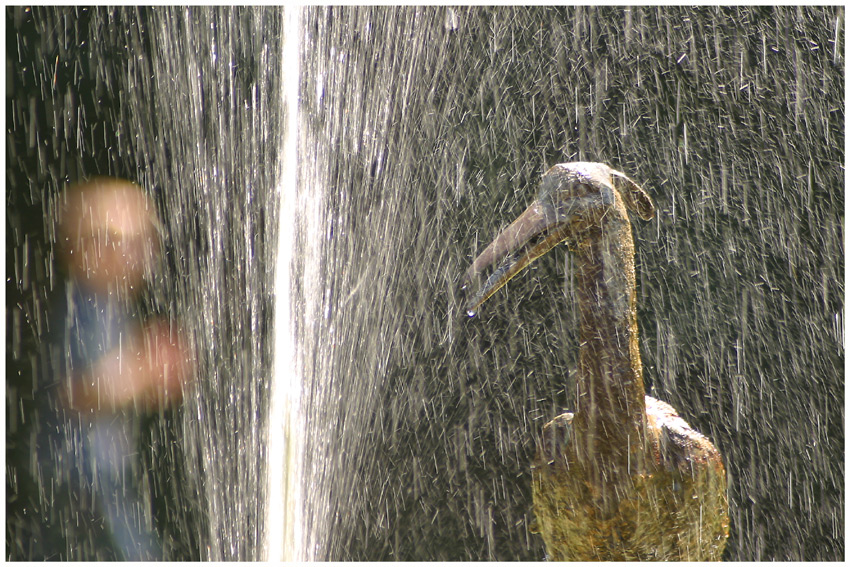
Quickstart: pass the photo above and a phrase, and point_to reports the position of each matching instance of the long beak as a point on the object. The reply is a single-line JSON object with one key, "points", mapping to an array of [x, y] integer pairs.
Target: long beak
{"points": [[530, 236]]}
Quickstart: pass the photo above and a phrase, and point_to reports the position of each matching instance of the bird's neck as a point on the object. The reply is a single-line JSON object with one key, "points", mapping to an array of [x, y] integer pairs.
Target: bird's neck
{"points": [[610, 408]]}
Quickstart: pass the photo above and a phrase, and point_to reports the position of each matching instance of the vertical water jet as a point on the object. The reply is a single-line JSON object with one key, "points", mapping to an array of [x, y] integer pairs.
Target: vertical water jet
{"points": [[282, 534]]}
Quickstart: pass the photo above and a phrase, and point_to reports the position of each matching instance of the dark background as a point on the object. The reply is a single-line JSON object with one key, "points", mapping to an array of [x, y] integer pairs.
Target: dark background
{"points": [[425, 131]]}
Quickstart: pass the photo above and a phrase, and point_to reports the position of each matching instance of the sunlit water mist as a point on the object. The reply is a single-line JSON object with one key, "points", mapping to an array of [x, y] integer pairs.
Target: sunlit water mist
{"points": [[183, 102], [210, 137], [421, 132]]}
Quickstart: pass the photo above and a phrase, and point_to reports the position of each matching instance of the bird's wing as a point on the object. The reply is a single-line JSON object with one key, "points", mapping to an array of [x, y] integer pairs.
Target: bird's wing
{"points": [[678, 446]]}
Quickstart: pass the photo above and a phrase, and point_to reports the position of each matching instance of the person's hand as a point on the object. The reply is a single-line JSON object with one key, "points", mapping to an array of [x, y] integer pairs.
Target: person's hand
{"points": [[151, 368]]}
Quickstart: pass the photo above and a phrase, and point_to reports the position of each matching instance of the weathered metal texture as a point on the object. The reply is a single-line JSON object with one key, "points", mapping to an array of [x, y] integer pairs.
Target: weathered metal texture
{"points": [[676, 509]]}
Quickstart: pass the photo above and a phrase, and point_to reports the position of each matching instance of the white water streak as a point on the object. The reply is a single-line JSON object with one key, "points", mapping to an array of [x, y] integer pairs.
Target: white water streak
{"points": [[283, 533]]}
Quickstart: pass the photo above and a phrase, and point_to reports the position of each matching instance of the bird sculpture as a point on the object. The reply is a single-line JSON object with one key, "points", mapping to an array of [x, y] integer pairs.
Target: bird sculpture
{"points": [[624, 477]]}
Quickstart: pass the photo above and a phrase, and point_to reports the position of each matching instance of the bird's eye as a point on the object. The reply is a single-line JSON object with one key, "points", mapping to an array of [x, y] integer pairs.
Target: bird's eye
{"points": [[580, 189]]}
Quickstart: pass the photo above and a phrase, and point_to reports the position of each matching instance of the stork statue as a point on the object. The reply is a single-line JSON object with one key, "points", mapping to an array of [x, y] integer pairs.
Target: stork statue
{"points": [[624, 477]]}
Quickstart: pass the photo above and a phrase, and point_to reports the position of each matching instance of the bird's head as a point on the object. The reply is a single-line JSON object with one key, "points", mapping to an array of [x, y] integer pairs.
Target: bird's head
{"points": [[573, 199]]}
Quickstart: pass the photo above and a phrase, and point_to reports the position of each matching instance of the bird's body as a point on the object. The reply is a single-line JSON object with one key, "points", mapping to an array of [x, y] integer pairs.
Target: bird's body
{"points": [[623, 478], [672, 508]]}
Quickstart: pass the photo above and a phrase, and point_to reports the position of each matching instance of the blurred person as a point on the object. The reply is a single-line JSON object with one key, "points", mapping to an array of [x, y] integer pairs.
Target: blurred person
{"points": [[108, 241], [117, 367]]}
